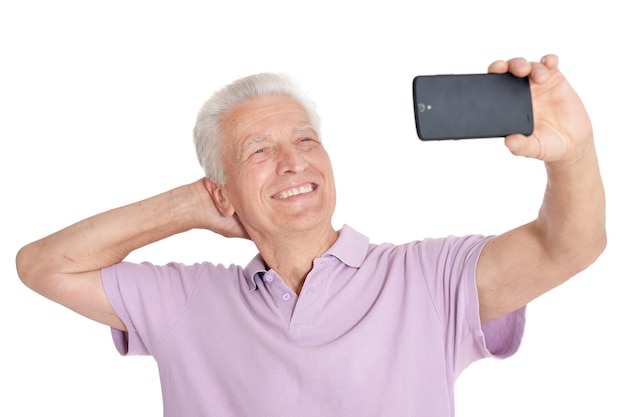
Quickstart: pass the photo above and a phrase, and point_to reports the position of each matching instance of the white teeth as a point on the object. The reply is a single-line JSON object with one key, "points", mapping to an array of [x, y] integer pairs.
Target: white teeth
{"points": [[295, 191]]}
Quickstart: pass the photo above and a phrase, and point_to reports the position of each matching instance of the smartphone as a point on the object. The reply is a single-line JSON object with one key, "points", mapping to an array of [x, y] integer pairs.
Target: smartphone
{"points": [[470, 106]]}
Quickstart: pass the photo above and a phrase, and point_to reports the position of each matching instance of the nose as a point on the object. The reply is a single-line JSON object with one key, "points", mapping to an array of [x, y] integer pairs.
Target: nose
{"points": [[290, 160]]}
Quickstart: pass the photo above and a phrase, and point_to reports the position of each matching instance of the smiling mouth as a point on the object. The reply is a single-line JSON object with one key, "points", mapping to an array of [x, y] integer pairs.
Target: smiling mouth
{"points": [[295, 191]]}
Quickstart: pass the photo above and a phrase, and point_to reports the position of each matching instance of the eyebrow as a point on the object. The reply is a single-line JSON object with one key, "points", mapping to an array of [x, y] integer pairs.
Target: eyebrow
{"points": [[302, 128], [258, 139], [307, 127], [252, 141]]}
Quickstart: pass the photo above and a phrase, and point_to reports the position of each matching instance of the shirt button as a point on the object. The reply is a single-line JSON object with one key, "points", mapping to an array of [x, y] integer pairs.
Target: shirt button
{"points": [[286, 296], [268, 278]]}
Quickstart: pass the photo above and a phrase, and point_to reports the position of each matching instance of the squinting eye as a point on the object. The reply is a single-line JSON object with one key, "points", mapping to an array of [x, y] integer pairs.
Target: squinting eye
{"points": [[259, 151]]}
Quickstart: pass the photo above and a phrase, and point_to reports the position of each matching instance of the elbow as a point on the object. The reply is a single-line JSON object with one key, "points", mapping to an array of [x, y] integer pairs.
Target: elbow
{"points": [[22, 265], [599, 247], [590, 252], [26, 264]]}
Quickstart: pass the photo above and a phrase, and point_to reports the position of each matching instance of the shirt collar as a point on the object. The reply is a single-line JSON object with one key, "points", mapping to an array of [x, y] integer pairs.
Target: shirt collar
{"points": [[350, 248], [256, 266]]}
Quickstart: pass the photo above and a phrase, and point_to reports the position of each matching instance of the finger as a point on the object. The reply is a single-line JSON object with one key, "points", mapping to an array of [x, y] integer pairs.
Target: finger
{"points": [[498, 67], [519, 67], [541, 71], [208, 183], [521, 145], [551, 61]]}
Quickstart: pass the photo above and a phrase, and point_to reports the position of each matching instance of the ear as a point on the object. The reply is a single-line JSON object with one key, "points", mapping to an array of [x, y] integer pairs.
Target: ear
{"points": [[219, 197]]}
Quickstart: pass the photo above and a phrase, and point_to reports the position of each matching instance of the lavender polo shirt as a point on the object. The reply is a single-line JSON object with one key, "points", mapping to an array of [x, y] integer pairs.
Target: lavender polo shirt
{"points": [[378, 330]]}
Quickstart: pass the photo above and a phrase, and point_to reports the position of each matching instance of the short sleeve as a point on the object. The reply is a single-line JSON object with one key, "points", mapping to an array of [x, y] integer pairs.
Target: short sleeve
{"points": [[449, 267], [498, 338], [148, 299]]}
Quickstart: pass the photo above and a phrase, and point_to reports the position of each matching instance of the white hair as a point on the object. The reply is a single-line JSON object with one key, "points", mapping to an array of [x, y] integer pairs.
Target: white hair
{"points": [[208, 134]]}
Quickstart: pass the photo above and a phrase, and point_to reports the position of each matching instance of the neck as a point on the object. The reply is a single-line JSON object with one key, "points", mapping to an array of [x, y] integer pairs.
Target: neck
{"points": [[291, 254]]}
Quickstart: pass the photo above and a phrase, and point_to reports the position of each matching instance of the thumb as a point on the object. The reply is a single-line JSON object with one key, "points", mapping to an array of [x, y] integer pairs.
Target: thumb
{"points": [[520, 145]]}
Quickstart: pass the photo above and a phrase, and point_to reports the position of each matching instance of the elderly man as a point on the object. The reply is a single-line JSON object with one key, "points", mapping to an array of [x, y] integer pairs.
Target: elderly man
{"points": [[322, 322]]}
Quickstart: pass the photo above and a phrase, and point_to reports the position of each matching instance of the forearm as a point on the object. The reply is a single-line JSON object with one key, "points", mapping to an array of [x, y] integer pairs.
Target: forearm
{"points": [[569, 233], [571, 220], [107, 238]]}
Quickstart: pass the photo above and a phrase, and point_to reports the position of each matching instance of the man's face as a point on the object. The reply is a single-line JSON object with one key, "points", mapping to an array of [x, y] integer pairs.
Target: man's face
{"points": [[278, 175]]}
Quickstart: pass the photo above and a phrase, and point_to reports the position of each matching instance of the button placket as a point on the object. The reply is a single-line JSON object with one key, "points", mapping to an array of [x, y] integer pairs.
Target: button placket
{"points": [[283, 298], [312, 297]]}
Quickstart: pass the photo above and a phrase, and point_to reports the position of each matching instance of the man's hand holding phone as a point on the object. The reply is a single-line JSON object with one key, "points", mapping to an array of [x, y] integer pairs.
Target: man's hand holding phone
{"points": [[562, 126]]}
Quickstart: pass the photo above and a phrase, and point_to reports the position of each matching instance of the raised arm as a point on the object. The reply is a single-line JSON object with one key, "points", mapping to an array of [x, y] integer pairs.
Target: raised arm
{"points": [[65, 266], [569, 232]]}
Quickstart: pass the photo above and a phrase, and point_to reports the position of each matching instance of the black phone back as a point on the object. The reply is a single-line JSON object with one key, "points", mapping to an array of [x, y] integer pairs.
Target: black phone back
{"points": [[471, 106]]}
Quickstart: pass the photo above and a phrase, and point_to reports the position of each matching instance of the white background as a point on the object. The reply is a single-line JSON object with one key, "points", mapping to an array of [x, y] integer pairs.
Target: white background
{"points": [[97, 104]]}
